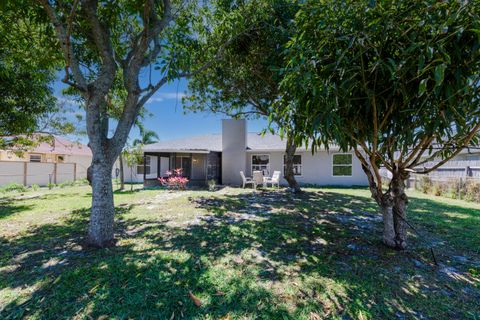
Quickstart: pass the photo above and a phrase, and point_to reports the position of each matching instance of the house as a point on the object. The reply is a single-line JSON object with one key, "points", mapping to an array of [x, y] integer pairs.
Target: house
{"points": [[223, 156], [49, 162]]}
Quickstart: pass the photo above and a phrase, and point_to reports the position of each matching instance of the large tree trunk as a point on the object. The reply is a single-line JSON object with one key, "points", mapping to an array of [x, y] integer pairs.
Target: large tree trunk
{"points": [[122, 175], [100, 230], [386, 207], [393, 206], [289, 174]]}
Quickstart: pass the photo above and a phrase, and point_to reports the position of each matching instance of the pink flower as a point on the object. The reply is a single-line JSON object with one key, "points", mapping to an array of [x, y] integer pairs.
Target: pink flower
{"points": [[174, 181]]}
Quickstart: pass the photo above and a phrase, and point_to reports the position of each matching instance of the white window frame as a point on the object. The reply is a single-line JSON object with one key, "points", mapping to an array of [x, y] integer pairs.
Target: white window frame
{"points": [[267, 166], [300, 165], [147, 165], [35, 155], [342, 165]]}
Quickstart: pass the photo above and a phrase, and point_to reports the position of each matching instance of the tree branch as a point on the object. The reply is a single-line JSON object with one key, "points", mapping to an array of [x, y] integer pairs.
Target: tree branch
{"points": [[80, 81]]}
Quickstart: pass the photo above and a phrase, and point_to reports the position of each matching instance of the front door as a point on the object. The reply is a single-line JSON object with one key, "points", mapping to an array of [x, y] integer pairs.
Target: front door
{"points": [[184, 163]]}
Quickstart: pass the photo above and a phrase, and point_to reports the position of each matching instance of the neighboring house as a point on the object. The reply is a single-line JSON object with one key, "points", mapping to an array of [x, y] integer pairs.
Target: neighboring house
{"points": [[223, 156], [53, 162]]}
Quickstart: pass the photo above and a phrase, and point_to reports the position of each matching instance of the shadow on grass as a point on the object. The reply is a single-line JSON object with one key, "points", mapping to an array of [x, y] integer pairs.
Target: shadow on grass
{"points": [[9, 207], [264, 255]]}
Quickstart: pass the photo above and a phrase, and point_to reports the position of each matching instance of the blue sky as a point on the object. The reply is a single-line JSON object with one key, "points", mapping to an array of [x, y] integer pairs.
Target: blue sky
{"points": [[168, 118]]}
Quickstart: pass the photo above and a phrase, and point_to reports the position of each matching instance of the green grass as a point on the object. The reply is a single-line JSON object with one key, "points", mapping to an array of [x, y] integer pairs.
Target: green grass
{"points": [[245, 255]]}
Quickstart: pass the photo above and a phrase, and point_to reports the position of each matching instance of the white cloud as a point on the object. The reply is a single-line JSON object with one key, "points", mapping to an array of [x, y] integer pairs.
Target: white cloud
{"points": [[162, 96]]}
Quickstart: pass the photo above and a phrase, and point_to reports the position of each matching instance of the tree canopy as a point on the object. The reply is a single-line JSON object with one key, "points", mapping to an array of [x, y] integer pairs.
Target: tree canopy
{"points": [[28, 62], [396, 81]]}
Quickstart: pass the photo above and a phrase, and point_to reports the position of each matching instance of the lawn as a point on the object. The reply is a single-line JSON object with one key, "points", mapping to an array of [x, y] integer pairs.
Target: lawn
{"points": [[242, 254]]}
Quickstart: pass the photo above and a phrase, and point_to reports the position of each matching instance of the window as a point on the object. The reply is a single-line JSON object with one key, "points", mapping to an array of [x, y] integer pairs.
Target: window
{"points": [[297, 165], [35, 158], [147, 166], [261, 162], [342, 164]]}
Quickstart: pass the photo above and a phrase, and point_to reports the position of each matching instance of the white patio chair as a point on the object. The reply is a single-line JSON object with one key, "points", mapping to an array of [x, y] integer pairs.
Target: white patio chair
{"points": [[258, 178], [246, 181], [274, 180]]}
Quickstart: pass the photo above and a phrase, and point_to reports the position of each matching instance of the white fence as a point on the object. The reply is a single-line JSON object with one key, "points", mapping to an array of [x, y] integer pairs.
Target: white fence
{"points": [[454, 169], [41, 173]]}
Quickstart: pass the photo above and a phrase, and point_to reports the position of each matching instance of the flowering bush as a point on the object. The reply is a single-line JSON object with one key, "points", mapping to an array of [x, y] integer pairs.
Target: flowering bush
{"points": [[174, 180]]}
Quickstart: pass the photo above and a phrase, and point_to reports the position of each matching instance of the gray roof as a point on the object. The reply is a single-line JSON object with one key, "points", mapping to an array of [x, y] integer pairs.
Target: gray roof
{"points": [[213, 142]]}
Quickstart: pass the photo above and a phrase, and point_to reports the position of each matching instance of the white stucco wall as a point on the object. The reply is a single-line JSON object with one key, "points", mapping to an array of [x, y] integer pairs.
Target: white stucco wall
{"points": [[316, 169], [131, 175], [234, 139]]}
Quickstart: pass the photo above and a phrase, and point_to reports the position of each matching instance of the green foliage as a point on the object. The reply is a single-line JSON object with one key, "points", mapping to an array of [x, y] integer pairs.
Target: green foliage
{"points": [[28, 62], [244, 80], [388, 75], [67, 184], [13, 187], [212, 185], [146, 137], [35, 187]]}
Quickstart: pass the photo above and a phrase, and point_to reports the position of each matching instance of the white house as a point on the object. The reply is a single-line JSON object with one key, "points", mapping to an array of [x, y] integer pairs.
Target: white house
{"points": [[223, 156]]}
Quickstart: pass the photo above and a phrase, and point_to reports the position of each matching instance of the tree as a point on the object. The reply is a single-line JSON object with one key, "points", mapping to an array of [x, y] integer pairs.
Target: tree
{"points": [[108, 44], [396, 81], [146, 137], [132, 156], [245, 81], [27, 67]]}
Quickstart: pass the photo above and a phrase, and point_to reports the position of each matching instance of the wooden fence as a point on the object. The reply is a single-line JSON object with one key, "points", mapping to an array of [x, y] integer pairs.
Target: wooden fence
{"points": [[452, 171], [455, 169]]}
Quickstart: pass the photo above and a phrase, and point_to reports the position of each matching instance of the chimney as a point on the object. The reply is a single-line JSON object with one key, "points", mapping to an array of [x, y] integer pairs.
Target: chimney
{"points": [[234, 146]]}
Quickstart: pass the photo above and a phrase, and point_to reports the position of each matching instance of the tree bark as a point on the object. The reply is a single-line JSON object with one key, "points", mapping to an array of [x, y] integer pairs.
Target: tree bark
{"points": [[122, 175], [100, 230], [289, 173], [386, 207], [399, 211]]}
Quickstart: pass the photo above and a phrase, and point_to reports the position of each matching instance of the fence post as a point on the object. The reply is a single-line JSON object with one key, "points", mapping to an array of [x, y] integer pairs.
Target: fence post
{"points": [[468, 172], [75, 171], [25, 164], [55, 173]]}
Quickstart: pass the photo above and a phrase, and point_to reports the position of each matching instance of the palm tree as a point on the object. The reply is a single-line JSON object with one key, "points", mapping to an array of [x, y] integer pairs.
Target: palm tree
{"points": [[146, 137]]}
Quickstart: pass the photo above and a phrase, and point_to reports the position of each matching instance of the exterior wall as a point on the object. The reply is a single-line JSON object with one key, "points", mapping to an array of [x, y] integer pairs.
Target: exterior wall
{"points": [[41, 173], [83, 162], [234, 145], [316, 169], [466, 157], [130, 173], [11, 172]]}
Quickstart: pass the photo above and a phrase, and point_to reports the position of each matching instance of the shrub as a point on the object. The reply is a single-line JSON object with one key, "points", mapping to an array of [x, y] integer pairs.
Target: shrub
{"points": [[66, 184], [212, 184], [174, 180], [35, 187], [14, 187], [425, 184], [472, 190]]}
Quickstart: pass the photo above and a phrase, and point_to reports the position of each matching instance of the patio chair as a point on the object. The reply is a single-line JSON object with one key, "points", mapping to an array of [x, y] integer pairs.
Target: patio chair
{"points": [[246, 181], [274, 180], [258, 178]]}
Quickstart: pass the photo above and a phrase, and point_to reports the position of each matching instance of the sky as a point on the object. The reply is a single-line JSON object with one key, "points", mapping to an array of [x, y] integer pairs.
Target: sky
{"points": [[168, 118]]}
